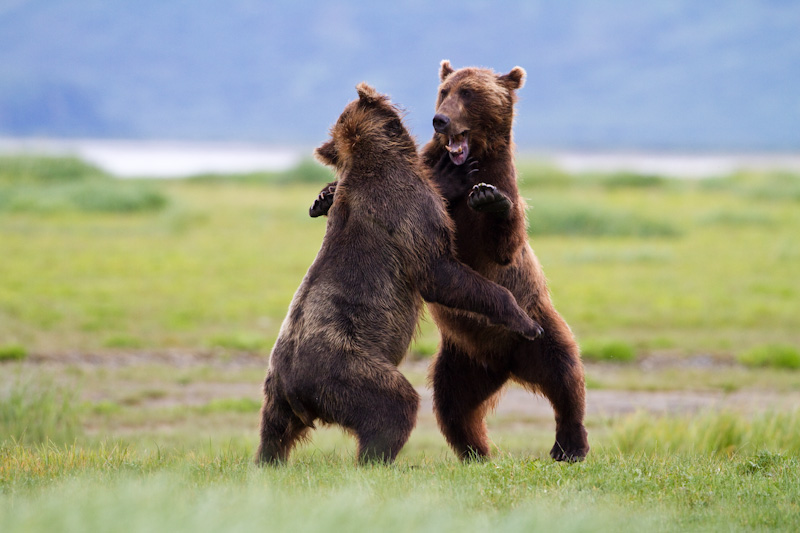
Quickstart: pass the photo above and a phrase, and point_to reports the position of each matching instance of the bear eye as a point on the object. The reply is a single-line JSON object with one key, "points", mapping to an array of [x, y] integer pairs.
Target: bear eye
{"points": [[465, 93], [443, 93]]}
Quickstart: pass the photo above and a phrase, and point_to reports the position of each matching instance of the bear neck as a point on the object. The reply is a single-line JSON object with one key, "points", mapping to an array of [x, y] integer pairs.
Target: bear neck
{"points": [[499, 139], [374, 159]]}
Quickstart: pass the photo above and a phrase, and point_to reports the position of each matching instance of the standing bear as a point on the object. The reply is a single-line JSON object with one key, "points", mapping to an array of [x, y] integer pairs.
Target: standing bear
{"points": [[388, 245], [472, 163]]}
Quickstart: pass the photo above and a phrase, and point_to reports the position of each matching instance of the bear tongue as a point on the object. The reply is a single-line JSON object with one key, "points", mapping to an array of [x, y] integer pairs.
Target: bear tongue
{"points": [[458, 148]]}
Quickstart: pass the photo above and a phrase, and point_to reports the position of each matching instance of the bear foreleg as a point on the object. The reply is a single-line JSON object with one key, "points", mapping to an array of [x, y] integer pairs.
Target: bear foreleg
{"points": [[455, 285]]}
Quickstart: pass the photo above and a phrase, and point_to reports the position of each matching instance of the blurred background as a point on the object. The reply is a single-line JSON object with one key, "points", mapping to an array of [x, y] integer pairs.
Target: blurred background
{"points": [[622, 75]]}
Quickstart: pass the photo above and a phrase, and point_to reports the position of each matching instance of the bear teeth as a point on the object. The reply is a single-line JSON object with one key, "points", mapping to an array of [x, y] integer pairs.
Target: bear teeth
{"points": [[454, 150], [455, 144]]}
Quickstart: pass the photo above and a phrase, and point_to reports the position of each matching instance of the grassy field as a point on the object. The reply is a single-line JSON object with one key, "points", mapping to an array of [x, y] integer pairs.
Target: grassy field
{"points": [[655, 265], [136, 318], [140, 459], [113, 489], [188, 468]]}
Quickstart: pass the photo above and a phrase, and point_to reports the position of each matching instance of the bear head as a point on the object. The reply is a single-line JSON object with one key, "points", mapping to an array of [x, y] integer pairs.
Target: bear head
{"points": [[368, 134], [475, 110]]}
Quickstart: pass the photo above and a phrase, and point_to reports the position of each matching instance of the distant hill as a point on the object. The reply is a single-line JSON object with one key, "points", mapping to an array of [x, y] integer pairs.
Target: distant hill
{"points": [[710, 75]]}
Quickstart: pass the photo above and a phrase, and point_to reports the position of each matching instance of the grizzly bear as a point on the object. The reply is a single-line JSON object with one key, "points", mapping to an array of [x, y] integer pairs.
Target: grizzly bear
{"points": [[472, 163], [388, 245]]}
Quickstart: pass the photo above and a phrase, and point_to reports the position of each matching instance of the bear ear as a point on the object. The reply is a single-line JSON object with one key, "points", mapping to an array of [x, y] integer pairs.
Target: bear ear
{"points": [[514, 79], [327, 154], [445, 69], [367, 94]]}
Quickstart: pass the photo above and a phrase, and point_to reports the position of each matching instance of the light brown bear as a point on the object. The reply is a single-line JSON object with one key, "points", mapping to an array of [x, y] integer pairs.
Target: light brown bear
{"points": [[471, 157], [388, 245]]}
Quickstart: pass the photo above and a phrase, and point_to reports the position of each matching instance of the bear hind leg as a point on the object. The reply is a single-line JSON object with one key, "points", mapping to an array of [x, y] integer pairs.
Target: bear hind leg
{"points": [[379, 406], [462, 394], [383, 434], [552, 365], [382, 446], [281, 429]]}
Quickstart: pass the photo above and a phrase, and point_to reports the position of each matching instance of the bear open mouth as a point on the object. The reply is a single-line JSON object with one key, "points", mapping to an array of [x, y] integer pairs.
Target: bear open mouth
{"points": [[458, 146]]}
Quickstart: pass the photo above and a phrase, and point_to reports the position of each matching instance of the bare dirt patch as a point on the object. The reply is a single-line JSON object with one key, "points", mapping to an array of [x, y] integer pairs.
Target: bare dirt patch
{"points": [[231, 376]]}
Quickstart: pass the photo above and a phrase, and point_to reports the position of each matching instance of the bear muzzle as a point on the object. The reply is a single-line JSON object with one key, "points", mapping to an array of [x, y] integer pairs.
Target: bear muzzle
{"points": [[458, 147], [458, 144]]}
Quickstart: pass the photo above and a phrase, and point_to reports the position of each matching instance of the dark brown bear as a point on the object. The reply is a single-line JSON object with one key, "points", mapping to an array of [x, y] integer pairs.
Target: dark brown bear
{"points": [[388, 245], [471, 158]]}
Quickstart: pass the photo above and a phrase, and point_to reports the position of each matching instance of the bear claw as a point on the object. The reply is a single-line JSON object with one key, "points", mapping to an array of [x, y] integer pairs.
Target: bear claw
{"points": [[472, 165], [536, 332]]}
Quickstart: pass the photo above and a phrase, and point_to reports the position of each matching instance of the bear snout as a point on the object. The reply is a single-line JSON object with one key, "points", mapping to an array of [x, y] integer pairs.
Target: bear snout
{"points": [[441, 123]]}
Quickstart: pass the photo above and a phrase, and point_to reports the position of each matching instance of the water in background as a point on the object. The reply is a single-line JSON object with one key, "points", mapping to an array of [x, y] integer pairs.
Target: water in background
{"points": [[164, 159], [175, 159]]}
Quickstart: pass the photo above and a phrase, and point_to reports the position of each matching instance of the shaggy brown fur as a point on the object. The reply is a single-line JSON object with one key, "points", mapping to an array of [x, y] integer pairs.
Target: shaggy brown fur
{"points": [[388, 245], [471, 157]]}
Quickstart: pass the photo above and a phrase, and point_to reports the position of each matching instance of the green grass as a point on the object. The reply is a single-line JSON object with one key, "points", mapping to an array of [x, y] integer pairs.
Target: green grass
{"points": [[212, 263], [307, 171], [219, 261], [31, 170], [236, 405], [135, 435], [759, 185], [241, 342], [721, 283], [144, 467], [39, 411], [679, 374], [721, 433], [776, 356], [553, 216], [131, 446], [12, 352], [50, 184], [127, 488], [614, 351]]}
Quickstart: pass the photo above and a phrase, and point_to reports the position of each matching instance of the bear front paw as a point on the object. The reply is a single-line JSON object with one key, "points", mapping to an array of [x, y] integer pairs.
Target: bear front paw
{"points": [[534, 332], [322, 204], [486, 198]]}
